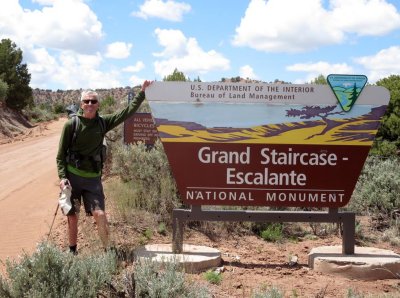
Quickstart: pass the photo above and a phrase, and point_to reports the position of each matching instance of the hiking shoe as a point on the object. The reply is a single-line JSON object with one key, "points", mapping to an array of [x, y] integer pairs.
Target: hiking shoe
{"points": [[73, 252]]}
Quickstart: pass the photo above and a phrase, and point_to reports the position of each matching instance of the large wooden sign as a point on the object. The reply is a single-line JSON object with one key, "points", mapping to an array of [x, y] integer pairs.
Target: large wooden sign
{"points": [[265, 144]]}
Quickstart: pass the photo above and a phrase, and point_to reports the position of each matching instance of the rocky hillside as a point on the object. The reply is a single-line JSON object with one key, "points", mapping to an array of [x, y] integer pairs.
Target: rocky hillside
{"points": [[12, 124], [72, 96]]}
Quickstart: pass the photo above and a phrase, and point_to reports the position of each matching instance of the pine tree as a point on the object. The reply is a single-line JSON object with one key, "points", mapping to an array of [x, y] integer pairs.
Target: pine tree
{"points": [[390, 128], [320, 80], [176, 76], [15, 74]]}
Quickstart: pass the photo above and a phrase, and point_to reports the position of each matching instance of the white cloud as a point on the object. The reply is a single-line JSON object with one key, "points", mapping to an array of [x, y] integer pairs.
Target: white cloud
{"points": [[44, 2], [285, 25], [247, 71], [69, 69], [134, 68], [173, 41], [118, 50], [365, 17], [135, 80], [186, 55], [11, 14], [65, 25], [82, 71], [313, 70], [383, 64], [168, 10], [295, 26], [60, 42], [42, 67]]}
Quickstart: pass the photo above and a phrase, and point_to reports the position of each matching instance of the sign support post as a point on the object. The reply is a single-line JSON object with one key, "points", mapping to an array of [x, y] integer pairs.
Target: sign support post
{"points": [[180, 216]]}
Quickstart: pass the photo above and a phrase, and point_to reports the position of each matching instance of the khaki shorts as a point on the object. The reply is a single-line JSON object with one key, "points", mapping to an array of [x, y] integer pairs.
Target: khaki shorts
{"points": [[90, 190]]}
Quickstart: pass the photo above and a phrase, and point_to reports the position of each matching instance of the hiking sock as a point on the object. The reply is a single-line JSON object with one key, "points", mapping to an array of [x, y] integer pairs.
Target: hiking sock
{"points": [[72, 248]]}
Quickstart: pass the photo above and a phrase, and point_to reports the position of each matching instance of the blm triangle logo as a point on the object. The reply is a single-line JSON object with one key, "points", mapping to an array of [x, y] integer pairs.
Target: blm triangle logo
{"points": [[347, 88]]}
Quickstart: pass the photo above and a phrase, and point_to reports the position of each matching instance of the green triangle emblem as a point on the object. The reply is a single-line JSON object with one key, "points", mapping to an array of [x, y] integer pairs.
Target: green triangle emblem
{"points": [[347, 88]]}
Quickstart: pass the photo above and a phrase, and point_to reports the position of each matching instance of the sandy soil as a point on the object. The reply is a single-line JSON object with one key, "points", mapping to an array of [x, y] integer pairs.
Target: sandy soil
{"points": [[28, 200], [251, 264], [28, 189]]}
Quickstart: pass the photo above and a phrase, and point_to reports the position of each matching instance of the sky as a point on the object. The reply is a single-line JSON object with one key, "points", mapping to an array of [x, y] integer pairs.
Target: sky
{"points": [[73, 44]]}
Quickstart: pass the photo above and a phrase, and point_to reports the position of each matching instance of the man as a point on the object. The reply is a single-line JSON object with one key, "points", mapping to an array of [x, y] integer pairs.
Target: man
{"points": [[79, 161]]}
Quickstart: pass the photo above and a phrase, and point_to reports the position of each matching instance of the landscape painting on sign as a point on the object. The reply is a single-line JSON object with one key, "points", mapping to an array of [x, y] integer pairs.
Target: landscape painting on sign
{"points": [[260, 123]]}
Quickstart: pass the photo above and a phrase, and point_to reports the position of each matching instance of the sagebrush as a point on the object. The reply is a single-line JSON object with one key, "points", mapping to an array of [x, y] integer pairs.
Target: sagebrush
{"points": [[49, 272], [378, 187], [150, 184], [158, 279]]}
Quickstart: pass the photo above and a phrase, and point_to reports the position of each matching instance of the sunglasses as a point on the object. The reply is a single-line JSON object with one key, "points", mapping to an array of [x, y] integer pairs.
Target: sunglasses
{"points": [[88, 101]]}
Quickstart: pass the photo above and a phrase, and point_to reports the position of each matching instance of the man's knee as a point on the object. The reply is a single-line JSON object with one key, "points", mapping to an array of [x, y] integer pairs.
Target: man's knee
{"points": [[100, 217], [98, 213]]}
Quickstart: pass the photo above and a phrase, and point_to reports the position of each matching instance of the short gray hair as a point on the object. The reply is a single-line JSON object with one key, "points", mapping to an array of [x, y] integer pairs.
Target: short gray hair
{"points": [[89, 92]]}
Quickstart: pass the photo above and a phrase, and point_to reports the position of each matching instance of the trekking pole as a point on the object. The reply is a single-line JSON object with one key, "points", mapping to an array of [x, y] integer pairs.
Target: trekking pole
{"points": [[54, 218]]}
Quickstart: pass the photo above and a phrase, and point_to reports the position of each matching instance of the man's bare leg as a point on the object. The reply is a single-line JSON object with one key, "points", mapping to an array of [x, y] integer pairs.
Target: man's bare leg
{"points": [[102, 226], [72, 231]]}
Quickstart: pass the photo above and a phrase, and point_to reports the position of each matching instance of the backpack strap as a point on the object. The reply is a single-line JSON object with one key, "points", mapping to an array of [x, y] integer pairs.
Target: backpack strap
{"points": [[75, 126], [73, 157]]}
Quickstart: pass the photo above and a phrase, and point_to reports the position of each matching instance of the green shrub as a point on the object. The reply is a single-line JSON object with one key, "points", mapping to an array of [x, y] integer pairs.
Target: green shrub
{"points": [[213, 277], [39, 113], [152, 279], [59, 108], [384, 148], [148, 233], [51, 273], [392, 234], [378, 187], [272, 233], [151, 185], [268, 292], [162, 229]]}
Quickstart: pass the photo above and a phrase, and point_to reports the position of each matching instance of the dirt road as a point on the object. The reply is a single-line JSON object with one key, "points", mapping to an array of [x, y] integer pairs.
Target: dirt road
{"points": [[28, 190]]}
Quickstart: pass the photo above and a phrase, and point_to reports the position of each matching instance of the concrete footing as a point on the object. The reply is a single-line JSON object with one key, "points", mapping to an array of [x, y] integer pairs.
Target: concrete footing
{"points": [[194, 258], [367, 263]]}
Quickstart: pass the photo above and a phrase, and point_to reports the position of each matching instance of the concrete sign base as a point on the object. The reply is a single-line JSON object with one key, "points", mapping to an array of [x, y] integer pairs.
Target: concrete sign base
{"points": [[367, 263], [194, 258]]}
